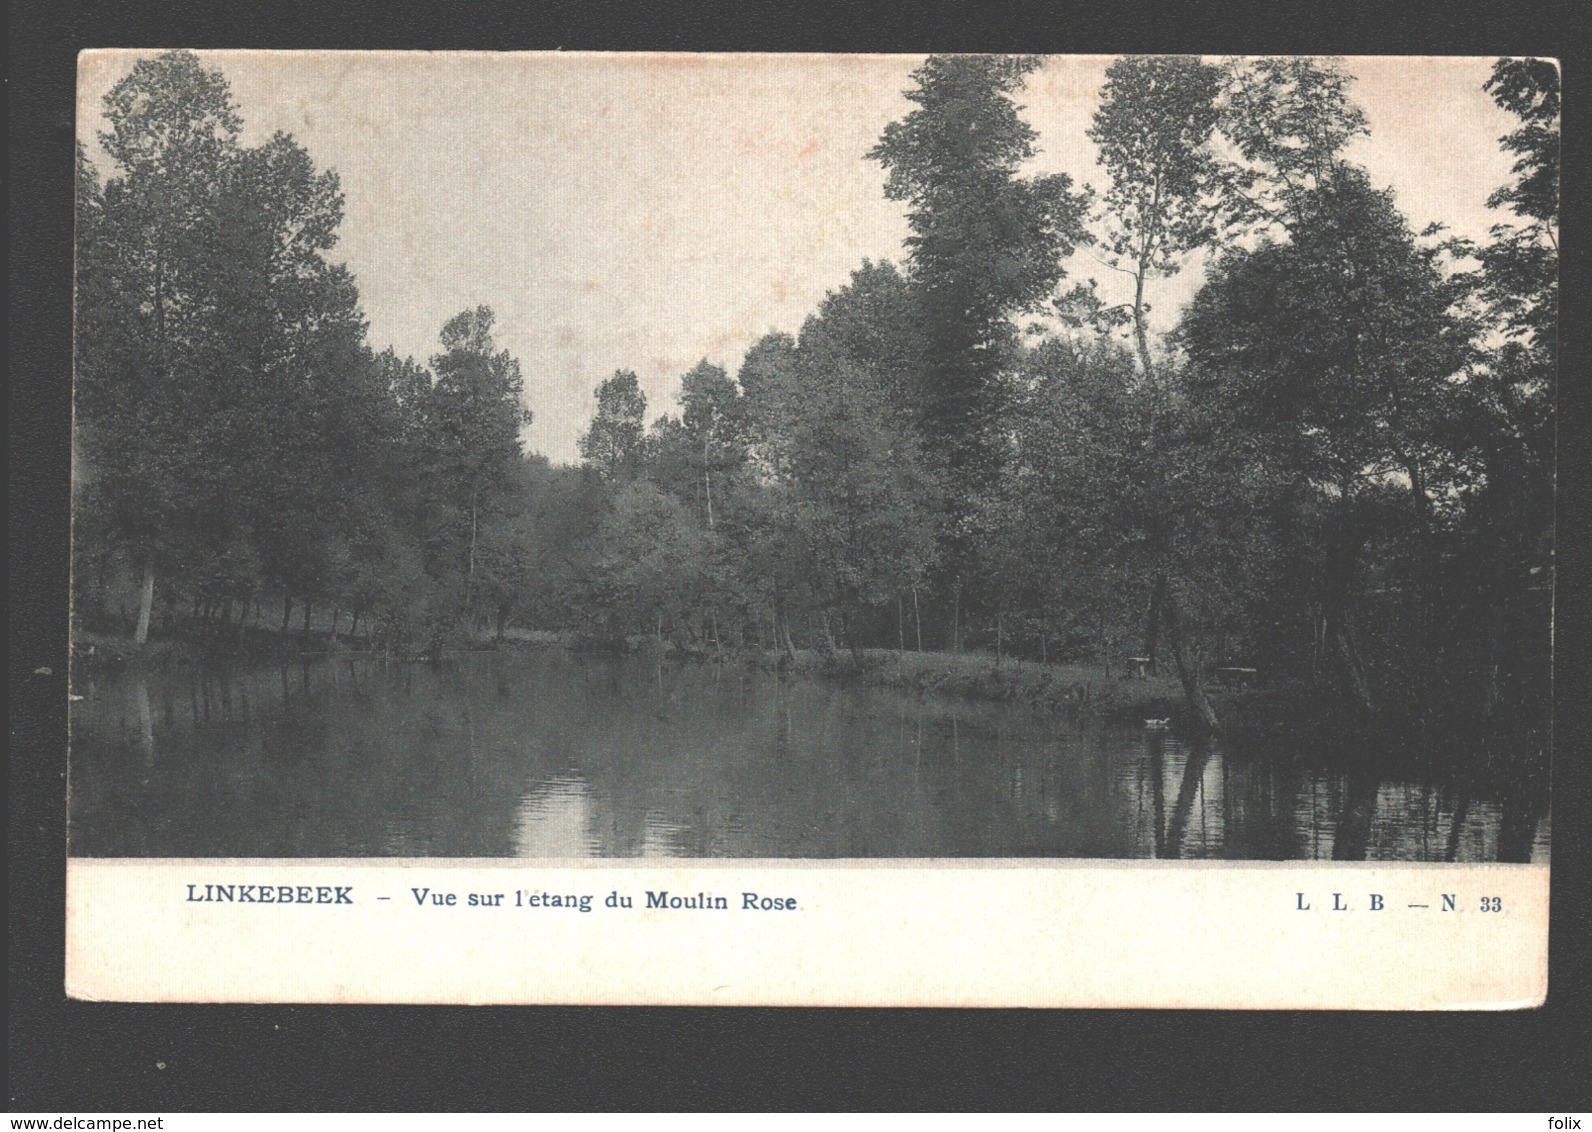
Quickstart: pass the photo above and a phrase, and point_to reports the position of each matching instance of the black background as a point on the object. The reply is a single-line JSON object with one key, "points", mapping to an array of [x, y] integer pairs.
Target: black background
{"points": [[82, 1057]]}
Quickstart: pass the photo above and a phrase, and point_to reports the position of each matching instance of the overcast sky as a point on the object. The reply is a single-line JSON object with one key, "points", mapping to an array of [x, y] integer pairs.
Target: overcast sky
{"points": [[646, 211]]}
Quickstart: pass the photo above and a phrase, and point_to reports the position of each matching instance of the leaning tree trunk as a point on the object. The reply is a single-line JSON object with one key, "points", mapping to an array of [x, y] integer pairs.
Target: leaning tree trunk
{"points": [[1341, 640], [146, 603], [1353, 666], [1204, 713]]}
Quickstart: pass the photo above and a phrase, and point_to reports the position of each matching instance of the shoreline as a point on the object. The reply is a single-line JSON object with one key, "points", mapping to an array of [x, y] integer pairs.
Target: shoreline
{"points": [[1073, 691]]}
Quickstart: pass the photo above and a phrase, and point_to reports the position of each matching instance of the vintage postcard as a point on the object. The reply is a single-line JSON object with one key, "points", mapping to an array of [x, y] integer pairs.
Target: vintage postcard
{"points": [[813, 529]]}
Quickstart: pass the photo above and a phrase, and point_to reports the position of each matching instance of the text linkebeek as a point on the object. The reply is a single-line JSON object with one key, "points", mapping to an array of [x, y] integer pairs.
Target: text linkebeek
{"points": [[272, 894]]}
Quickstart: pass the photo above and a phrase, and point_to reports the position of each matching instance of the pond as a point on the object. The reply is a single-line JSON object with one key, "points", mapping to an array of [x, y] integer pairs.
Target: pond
{"points": [[548, 754]]}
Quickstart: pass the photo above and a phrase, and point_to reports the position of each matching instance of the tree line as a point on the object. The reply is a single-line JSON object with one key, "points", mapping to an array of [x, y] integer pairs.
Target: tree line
{"points": [[1336, 469]]}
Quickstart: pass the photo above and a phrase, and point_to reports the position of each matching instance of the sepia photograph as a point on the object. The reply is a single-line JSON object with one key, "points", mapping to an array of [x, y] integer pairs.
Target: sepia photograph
{"points": [[564, 456]]}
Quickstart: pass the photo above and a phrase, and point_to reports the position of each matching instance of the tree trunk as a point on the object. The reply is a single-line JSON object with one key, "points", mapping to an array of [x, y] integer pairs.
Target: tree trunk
{"points": [[829, 634], [1318, 638], [707, 478], [917, 619], [1493, 641], [1338, 603], [782, 628], [287, 614], [1141, 335], [146, 603], [146, 719], [1140, 330], [469, 578], [1152, 624], [1353, 666], [1425, 582], [308, 606], [1204, 714]]}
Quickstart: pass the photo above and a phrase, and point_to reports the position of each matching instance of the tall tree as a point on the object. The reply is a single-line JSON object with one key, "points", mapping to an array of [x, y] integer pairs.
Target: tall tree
{"points": [[986, 243], [150, 255], [1529, 89], [856, 495], [229, 415], [1508, 428], [1522, 262], [1289, 120], [714, 419], [650, 565], [613, 442], [766, 381], [472, 416], [877, 321], [298, 412], [1153, 130], [1335, 352], [771, 381]]}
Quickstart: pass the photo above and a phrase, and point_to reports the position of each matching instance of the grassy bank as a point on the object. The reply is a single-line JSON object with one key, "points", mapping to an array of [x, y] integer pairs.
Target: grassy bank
{"points": [[1265, 716], [1068, 689]]}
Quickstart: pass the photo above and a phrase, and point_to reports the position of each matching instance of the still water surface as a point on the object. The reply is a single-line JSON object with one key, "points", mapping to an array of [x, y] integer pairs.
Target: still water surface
{"points": [[547, 754]]}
